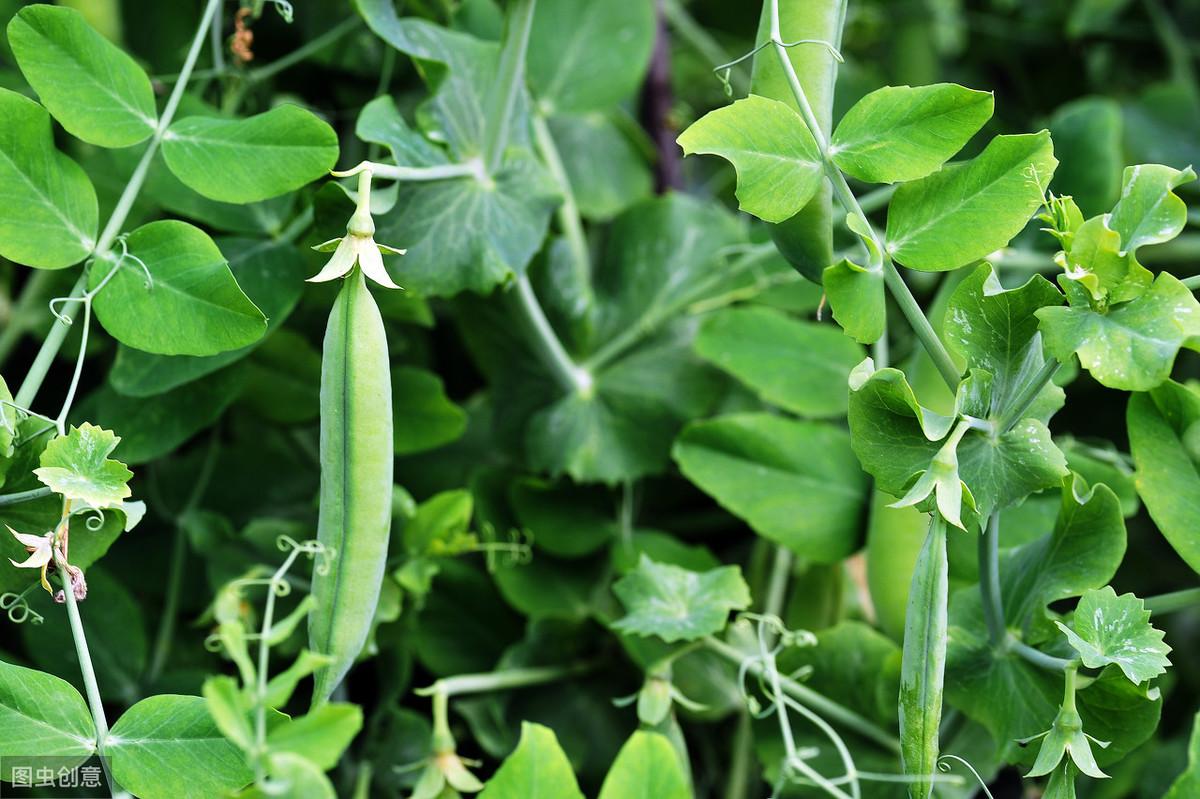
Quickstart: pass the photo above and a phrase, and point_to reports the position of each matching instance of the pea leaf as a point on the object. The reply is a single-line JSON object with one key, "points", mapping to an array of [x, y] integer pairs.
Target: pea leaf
{"points": [[297, 776], [1188, 783], [1163, 427], [966, 211], [564, 519], [91, 86], [320, 736], [605, 169], [1109, 629], [585, 56], [246, 160], [758, 466], [1149, 212], [1133, 346], [57, 224], [799, 366], [677, 604], [42, 715], [194, 305], [857, 299], [78, 467], [901, 133], [776, 158], [537, 769], [168, 740], [551, 588], [422, 416], [646, 768]]}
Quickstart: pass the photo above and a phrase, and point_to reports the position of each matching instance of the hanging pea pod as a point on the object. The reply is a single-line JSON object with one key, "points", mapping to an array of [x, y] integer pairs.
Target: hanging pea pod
{"points": [[356, 463], [922, 671], [805, 240]]}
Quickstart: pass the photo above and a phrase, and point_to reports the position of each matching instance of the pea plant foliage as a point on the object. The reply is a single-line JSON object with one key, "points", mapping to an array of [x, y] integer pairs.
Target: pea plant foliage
{"points": [[389, 408]]}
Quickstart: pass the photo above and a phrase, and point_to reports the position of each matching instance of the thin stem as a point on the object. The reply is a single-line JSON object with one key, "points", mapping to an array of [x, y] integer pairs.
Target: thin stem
{"points": [[509, 80], [61, 421], [42, 362], [24, 496], [989, 580], [569, 220], [1191, 283], [505, 680], [781, 570], [1176, 600], [571, 377], [818, 702], [266, 71], [895, 283], [1028, 393], [264, 655], [737, 782], [1039, 658], [416, 174]]}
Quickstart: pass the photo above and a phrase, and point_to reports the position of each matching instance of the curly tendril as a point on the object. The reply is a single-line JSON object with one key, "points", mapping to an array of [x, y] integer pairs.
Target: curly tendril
{"points": [[18, 610], [725, 70], [945, 769]]}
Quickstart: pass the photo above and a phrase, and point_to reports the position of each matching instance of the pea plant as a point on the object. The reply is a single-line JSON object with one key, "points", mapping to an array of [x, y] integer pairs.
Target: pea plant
{"points": [[421, 423]]}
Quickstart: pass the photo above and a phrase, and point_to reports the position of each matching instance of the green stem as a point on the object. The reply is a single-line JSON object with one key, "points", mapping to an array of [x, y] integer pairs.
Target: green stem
{"points": [[1028, 393], [895, 283], [264, 655], [818, 702], [504, 680], [989, 580], [1176, 600], [781, 570], [737, 782], [24, 496], [569, 220], [510, 78], [416, 174], [1191, 283], [1039, 658], [572, 378]]}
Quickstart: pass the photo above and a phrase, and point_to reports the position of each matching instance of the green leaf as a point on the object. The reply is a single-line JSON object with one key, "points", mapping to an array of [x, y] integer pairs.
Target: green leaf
{"points": [[1148, 211], [491, 627], [677, 604], [901, 133], [438, 522], [967, 211], [1109, 629], [1133, 346], [799, 366], [78, 467], [606, 170], [57, 224], [550, 588], [246, 160], [271, 275], [193, 307], [584, 55], [564, 519], [424, 418], [922, 670], [91, 86], [778, 165], [1188, 783], [537, 769], [41, 715], [320, 736], [646, 768], [760, 468], [230, 709], [167, 741], [857, 299], [292, 776], [1163, 426]]}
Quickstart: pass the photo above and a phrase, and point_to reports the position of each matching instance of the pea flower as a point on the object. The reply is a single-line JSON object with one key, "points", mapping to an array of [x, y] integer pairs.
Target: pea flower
{"points": [[41, 553], [358, 245], [1066, 738], [941, 479]]}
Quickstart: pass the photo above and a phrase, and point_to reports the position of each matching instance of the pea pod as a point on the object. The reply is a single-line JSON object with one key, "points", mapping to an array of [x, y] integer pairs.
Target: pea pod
{"points": [[922, 671], [805, 240], [894, 538], [356, 481]]}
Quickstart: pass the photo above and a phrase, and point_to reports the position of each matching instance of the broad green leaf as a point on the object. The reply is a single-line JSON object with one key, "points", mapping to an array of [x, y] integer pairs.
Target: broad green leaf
{"points": [[294, 777], [606, 170], [857, 299], [423, 417], [77, 466], [1107, 629], [246, 160], [564, 519], [550, 588], [230, 709], [760, 468], [167, 741], [194, 305], [537, 769], [778, 166], [380, 122], [41, 715], [1087, 135], [676, 604], [647, 767], [1188, 783], [967, 211], [901, 133], [91, 86], [922, 670], [995, 330], [799, 366], [438, 523], [585, 55], [320, 736], [1133, 346], [1101, 462], [491, 626], [1149, 212], [1162, 432], [271, 275], [57, 224]]}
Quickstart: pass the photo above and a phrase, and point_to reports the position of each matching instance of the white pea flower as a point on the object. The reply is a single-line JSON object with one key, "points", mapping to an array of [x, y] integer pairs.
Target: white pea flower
{"points": [[358, 245], [41, 552]]}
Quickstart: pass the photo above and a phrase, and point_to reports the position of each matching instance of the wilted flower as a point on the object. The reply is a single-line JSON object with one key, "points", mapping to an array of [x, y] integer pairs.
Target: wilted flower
{"points": [[358, 245]]}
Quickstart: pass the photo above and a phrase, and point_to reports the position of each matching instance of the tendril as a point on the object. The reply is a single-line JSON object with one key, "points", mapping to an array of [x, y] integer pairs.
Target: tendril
{"points": [[314, 549], [945, 769], [725, 70], [18, 609]]}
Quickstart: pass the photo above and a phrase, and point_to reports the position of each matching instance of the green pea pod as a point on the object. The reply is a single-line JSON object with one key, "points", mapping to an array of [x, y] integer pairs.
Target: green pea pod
{"points": [[805, 240], [356, 481], [894, 539], [922, 671]]}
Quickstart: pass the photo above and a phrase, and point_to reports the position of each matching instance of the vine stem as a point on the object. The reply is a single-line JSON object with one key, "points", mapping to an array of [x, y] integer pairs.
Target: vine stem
{"points": [[1176, 600], [24, 496], [504, 680], [510, 77], [1039, 658], [569, 220], [781, 570], [58, 332], [818, 702], [571, 377], [989, 580], [891, 276], [1028, 393], [264, 657]]}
